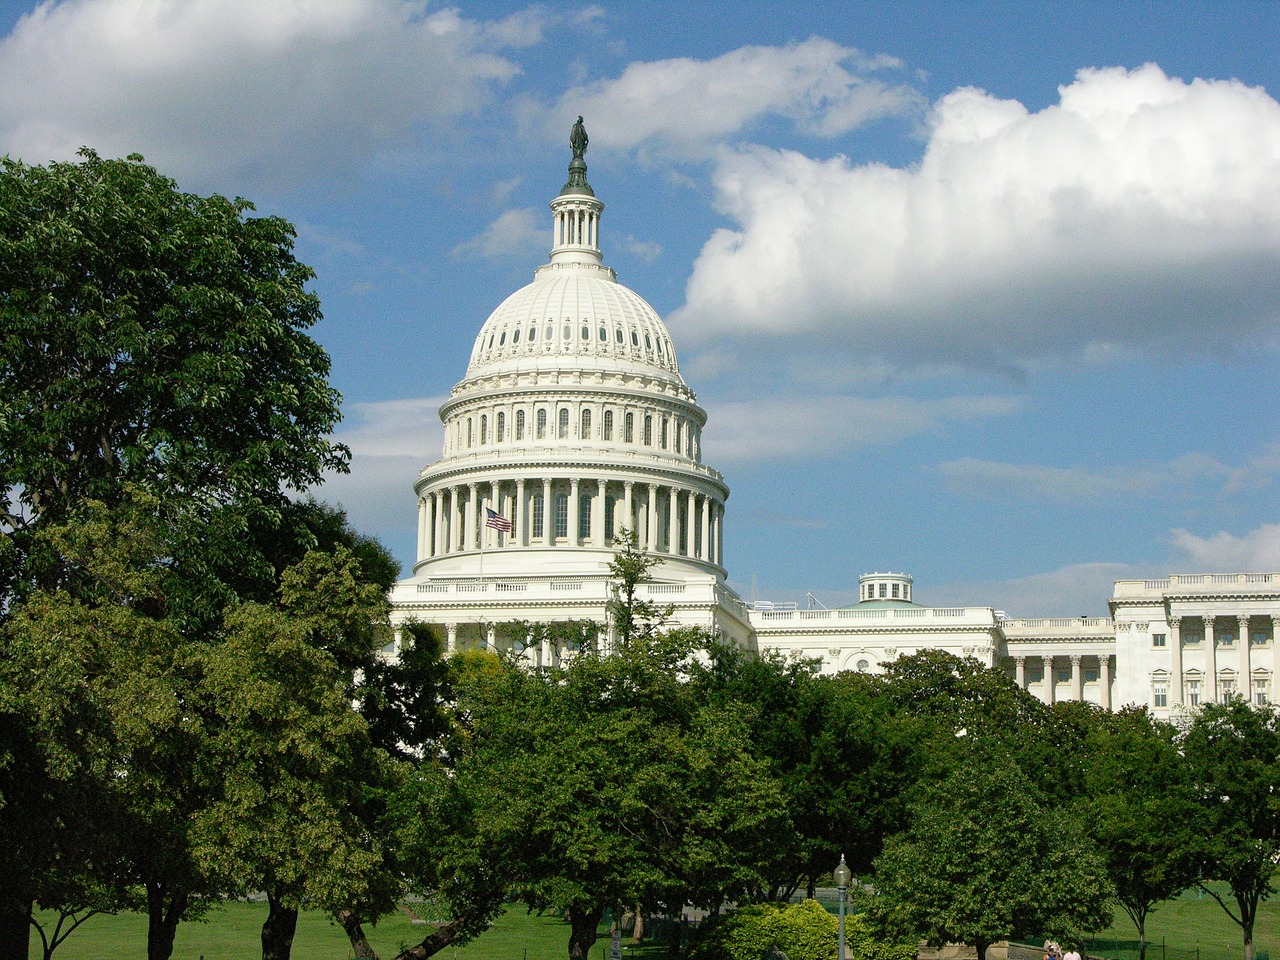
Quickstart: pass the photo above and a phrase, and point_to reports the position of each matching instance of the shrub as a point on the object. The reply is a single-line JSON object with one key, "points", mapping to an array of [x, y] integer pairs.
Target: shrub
{"points": [[803, 931]]}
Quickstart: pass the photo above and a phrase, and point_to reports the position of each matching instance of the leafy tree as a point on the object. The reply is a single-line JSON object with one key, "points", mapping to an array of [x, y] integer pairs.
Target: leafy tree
{"points": [[633, 618], [1138, 806], [605, 783], [149, 339], [982, 861], [1233, 752]]}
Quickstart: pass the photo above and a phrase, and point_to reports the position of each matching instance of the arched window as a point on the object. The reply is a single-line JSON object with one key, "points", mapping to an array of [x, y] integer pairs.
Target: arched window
{"points": [[562, 516], [536, 510], [629, 428], [677, 446], [663, 434], [562, 428], [484, 430], [542, 425], [519, 424], [610, 511], [584, 517], [468, 432], [585, 432], [500, 428], [648, 430], [608, 425]]}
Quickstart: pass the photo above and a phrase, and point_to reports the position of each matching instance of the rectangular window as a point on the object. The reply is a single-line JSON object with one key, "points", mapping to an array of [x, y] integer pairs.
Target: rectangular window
{"points": [[895, 591], [585, 432], [663, 431], [1191, 638], [562, 516], [677, 444], [1226, 639], [1228, 690], [1035, 673], [484, 430], [1157, 639], [502, 428], [1259, 638], [629, 429], [648, 431], [519, 424], [562, 427], [1260, 693], [468, 431], [1160, 695], [542, 425], [883, 590], [610, 507], [1090, 674], [584, 517], [1193, 693], [1063, 674], [536, 504]]}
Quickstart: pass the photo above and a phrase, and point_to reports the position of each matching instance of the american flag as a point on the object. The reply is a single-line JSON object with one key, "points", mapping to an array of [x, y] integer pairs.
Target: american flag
{"points": [[497, 521]]}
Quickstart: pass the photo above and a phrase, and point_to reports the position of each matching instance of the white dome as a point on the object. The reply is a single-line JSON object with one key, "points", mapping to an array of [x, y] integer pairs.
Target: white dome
{"points": [[570, 314]]}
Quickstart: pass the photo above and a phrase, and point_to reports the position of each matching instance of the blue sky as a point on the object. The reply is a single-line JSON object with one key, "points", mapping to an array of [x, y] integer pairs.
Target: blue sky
{"points": [[986, 292]]}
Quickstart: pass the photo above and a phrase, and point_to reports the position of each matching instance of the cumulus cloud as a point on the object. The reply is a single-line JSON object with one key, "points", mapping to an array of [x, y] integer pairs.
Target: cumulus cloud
{"points": [[1139, 210], [1257, 550], [390, 443], [772, 428], [1070, 591], [240, 90], [684, 108], [515, 232]]}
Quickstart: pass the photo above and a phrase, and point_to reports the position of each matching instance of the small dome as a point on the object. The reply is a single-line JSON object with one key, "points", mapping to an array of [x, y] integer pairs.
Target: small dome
{"points": [[575, 313]]}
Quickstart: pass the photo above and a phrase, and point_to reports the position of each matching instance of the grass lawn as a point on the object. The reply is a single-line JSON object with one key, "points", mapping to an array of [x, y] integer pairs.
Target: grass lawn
{"points": [[232, 933], [1187, 923]]}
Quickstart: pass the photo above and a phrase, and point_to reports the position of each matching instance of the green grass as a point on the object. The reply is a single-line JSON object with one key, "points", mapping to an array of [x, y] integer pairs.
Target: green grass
{"points": [[232, 933], [1188, 923]]}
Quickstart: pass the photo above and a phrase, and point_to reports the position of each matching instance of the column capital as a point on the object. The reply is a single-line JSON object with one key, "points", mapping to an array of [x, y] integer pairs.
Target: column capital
{"points": [[1173, 621], [1076, 658], [1020, 661]]}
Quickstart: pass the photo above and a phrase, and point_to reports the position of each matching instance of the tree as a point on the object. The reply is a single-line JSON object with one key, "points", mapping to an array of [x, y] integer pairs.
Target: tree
{"points": [[1138, 807], [604, 783], [149, 340], [633, 618], [1233, 752], [982, 861]]}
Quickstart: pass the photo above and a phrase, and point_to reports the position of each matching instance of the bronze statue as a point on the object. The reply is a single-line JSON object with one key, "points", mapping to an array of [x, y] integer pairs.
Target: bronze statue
{"points": [[578, 139]]}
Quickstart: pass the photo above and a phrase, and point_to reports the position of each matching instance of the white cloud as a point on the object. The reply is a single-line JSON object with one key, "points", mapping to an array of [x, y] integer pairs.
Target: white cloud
{"points": [[1140, 210], [1071, 591], [684, 108], [390, 443], [1256, 551], [229, 91], [515, 232], [774, 428]]}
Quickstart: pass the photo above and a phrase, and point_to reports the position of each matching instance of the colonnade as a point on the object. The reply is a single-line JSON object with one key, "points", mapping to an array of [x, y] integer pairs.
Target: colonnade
{"points": [[1226, 662], [571, 512], [1101, 665]]}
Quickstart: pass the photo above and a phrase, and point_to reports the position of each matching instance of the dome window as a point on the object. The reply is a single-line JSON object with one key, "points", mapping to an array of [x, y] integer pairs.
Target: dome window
{"points": [[566, 332], [604, 334], [617, 335], [491, 341], [635, 340], [533, 334], [648, 344], [502, 339], [586, 332], [515, 335], [547, 333]]}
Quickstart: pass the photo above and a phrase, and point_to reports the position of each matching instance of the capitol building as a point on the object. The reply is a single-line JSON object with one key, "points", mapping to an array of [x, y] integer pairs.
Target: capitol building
{"points": [[573, 423]]}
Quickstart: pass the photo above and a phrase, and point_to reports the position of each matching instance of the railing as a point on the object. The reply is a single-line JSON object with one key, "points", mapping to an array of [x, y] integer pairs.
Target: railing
{"points": [[1243, 581]]}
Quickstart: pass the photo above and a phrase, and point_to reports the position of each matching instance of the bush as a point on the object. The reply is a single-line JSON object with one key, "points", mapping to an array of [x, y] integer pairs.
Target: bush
{"points": [[803, 931]]}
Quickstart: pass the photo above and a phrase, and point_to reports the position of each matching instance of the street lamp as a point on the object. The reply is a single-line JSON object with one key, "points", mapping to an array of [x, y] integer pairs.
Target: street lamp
{"points": [[842, 875]]}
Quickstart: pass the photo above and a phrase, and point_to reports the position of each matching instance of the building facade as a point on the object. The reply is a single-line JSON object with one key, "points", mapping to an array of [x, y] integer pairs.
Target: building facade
{"points": [[573, 424]]}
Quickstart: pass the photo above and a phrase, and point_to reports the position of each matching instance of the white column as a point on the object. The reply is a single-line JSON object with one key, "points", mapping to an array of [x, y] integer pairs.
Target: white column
{"points": [[548, 527], [1049, 680], [1104, 678], [519, 523], [472, 513], [705, 553], [439, 545], [1211, 659], [574, 506], [598, 512], [1020, 672], [1077, 680], [491, 637], [451, 634], [1175, 649], [1274, 692], [422, 528], [720, 533], [628, 511], [673, 521], [1246, 659], [651, 528]]}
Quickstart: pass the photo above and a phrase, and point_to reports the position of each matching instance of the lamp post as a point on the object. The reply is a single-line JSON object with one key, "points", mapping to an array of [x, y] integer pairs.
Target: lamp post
{"points": [[842, 875]]}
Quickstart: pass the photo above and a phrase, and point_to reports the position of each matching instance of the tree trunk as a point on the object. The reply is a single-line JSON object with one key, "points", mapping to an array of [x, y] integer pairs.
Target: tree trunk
{"points": [[1142, 937], [584, 922], [163, 916], [443, 935], [278, 930], [15, 930], [981, 947], [637, 932], [355, 933]]}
